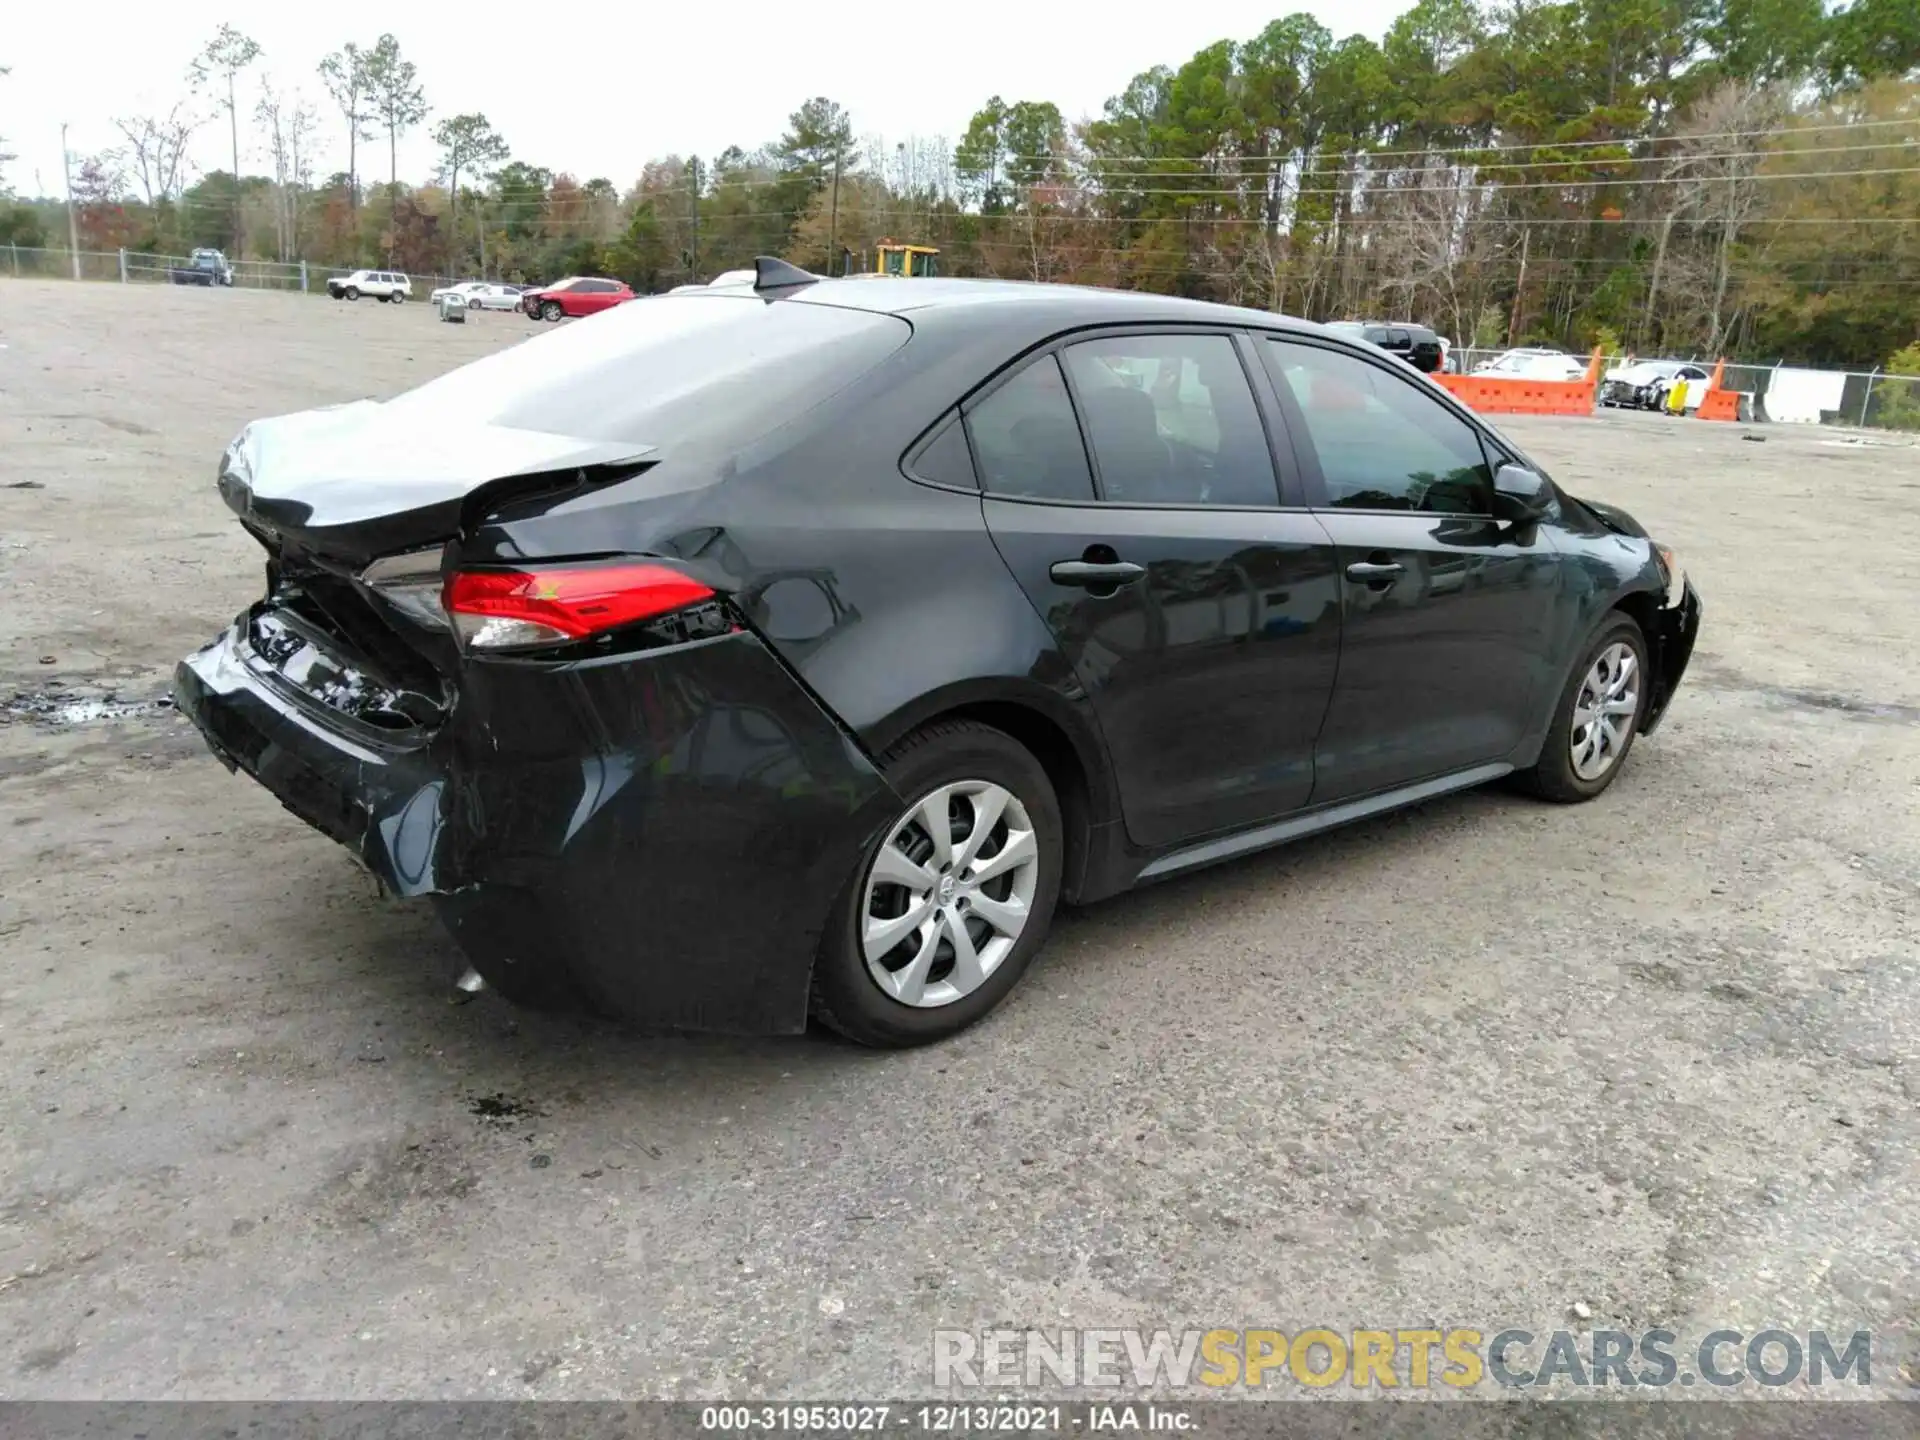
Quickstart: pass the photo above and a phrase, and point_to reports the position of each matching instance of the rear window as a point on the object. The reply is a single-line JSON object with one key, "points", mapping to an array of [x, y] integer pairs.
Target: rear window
{"points": [[681, 372]]}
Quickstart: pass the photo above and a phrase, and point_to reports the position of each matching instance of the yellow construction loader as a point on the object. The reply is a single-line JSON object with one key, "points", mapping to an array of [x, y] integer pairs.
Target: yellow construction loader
{"points": [[893, 258]]}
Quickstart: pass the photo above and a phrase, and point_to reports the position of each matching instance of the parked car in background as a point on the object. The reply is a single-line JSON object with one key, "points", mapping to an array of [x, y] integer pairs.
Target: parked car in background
{"points": [[481, 295], [203, 267], [382, 285], [794, 648], [1530, 363], [1420, 347], [1645, 384], [574, 296]]}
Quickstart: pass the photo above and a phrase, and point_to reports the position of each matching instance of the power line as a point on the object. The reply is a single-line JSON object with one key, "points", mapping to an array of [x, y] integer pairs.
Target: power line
{"points": [[1361, 152], [1496, 186], [1365, 221], [1093, 172]]}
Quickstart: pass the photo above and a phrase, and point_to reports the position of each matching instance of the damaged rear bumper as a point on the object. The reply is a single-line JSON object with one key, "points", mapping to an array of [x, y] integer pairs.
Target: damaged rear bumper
{"points": [[1675, 629], [657, 836], [382, 801]]}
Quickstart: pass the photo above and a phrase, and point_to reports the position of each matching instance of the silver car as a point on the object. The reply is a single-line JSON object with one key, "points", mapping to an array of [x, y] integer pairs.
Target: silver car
{"points": [[482, 295]]}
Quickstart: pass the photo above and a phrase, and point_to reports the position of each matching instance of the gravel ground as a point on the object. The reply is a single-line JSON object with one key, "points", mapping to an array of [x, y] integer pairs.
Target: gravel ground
{"points": [[1650, 1061]]}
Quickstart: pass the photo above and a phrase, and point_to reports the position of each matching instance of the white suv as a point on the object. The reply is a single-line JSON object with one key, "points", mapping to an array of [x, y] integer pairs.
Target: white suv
{"points": [[382, 285]]}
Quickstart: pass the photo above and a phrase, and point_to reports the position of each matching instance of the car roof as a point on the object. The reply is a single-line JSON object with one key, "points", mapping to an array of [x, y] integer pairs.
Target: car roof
{"points": [[1081, 304]]}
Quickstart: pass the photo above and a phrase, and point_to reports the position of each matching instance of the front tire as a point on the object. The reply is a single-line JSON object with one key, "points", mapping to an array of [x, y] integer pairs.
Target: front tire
{"points": [[352, 292], [952, 901], [1596, 717], [551, 311]]}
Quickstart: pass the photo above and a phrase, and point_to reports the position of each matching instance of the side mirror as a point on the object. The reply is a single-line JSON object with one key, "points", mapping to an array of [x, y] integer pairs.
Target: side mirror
{"points": [[1520, 495]]}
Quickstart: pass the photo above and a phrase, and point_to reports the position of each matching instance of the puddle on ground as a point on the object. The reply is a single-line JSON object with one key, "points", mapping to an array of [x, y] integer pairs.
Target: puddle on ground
{"points": [[1844, 705], [61, 708], [501, 1108]]}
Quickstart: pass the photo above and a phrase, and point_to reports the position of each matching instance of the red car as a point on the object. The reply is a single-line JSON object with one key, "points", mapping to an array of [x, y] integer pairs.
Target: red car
{"points": [[576, 295]]}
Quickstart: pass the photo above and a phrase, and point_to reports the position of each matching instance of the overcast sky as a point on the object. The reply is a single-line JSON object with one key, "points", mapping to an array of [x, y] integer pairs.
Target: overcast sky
{"points": [[602, 97]]}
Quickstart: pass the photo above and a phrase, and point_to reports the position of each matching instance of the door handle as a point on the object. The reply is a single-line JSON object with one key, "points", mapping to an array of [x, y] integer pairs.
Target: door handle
{"points": [[1372, 572], [1092, 572]]}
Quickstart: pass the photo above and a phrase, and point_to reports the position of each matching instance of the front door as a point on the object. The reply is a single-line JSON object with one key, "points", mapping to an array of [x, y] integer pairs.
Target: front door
{"points": [[1447, 612], [1131, 489]]}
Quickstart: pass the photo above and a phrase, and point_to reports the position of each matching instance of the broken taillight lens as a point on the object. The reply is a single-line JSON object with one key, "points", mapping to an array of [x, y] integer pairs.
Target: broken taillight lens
{"points": [[509, 609]]}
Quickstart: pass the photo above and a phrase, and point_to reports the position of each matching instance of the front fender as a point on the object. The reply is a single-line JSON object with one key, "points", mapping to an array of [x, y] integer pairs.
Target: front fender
{"points": [[1671, 636]]}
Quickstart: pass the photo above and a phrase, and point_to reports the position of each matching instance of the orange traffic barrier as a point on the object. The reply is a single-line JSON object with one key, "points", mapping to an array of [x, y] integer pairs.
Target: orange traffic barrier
{"points": [[1718, 404], [1501, 395]]}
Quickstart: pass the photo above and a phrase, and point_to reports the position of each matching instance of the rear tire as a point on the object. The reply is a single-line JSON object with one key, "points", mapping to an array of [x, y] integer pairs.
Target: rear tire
{"points": [[1004, 826], [1591, 734]]}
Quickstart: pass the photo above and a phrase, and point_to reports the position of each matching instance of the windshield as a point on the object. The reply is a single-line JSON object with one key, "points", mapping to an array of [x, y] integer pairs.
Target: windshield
{"points": [[678, 373]]}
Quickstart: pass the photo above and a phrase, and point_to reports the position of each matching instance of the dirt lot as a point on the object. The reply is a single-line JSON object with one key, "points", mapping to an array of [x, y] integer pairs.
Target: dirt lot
{"points": [[1655, 1060]]}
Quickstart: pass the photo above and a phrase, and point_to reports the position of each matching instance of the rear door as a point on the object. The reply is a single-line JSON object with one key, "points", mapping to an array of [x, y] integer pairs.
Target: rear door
{"points": [[1131, 487], [595, 295], [1447, 613]]}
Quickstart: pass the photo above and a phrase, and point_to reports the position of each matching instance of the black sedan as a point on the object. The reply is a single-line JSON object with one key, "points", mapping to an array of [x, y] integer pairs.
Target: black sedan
{"points": [[793, 649]]}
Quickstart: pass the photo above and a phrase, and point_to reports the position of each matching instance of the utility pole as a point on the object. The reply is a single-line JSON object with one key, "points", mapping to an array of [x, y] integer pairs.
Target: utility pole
{"points": [[833, 225], [73, 229], [239, 219], [693, 266]]}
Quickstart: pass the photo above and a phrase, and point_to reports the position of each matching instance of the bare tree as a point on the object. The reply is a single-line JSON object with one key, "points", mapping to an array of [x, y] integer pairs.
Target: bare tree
{"points": [[5, 154], [302, 123], [219, 66], [1719, 152], [345, 75], [157, 150], [288, 122], [271, 115]]}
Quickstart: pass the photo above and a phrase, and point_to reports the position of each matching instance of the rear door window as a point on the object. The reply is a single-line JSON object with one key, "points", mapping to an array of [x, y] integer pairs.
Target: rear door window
{"points": [[1027, 440], [945, 459], [1172, 421]]}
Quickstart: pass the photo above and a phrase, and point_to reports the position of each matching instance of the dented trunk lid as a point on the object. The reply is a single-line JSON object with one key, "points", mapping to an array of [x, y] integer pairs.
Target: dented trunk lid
{"points": [[355, 482], [341, 497]]}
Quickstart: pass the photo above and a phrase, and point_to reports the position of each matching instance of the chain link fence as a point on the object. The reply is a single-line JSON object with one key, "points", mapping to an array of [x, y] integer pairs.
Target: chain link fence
{"points": [[135, 267]]}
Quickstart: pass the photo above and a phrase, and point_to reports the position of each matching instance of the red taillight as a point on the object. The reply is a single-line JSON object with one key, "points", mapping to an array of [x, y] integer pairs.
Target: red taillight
{"points": [[493, 609]]}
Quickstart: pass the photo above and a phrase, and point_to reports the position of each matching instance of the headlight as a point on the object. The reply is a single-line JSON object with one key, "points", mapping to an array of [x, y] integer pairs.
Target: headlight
{"points": [[1672, 572]]}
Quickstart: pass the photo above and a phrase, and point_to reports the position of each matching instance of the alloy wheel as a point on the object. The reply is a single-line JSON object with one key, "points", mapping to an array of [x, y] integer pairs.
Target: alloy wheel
{"points": [[1604, 711], [949, 892]]}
